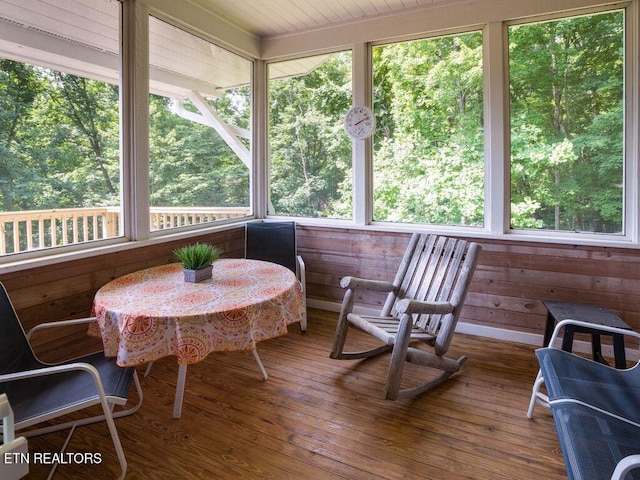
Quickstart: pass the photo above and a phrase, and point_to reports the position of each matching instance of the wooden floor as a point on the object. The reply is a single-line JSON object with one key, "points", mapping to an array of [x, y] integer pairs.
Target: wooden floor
{"points": [[317, 418]]}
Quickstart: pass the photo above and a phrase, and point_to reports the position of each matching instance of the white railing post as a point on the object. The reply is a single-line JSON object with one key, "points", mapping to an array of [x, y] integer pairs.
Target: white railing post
{"points": [[3, 244]]}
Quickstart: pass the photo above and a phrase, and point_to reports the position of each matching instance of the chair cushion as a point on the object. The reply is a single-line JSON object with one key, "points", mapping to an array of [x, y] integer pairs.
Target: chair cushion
{"points": [[273, 242]]}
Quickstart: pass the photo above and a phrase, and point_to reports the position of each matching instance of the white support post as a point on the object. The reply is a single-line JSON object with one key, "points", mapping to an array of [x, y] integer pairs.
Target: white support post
{"points": [[261, 200], [496, 108], [134, 102]]}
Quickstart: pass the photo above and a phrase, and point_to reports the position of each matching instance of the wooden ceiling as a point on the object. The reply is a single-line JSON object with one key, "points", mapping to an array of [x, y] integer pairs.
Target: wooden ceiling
{"points": [[81, 37], [271, 18]]}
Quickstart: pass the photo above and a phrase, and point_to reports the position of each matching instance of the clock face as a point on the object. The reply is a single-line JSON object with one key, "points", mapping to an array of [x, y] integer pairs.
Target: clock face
{"points": [[359, 122]]}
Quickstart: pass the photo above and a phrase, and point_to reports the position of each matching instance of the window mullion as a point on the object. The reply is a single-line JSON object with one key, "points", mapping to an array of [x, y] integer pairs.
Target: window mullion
{"points": [[632, 123], [260, 171], [496, 129], [362, 149]]}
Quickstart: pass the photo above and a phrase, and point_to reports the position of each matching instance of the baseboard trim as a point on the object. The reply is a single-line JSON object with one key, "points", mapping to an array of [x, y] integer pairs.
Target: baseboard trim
{"points": [[503, 334]]}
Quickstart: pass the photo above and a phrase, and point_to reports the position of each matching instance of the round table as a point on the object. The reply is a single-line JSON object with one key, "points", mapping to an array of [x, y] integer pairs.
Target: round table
{"points": [[154, 313]]}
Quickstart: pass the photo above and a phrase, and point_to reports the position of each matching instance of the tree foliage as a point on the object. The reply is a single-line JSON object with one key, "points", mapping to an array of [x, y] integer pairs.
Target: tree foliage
{"points": [[59, 135], [428, 163], [567, 123], [190, 165], [310, 156]]}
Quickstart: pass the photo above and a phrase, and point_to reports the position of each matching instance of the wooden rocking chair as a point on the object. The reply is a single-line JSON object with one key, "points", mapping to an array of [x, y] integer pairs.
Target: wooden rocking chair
{"points": [[424, 303]]}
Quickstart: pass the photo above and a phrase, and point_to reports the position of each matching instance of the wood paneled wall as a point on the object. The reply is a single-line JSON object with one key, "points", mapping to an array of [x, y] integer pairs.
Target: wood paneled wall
{"points": [[510, 283], [66, 290]]}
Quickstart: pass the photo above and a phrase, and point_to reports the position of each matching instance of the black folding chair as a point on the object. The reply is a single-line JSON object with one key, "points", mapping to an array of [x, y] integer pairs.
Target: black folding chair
{"points": [[276, 242], [39, 392]]}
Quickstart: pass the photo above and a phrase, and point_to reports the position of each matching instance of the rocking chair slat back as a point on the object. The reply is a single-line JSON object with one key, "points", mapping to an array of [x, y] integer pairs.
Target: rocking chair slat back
{"points": [[434, 276], [432, 268]]}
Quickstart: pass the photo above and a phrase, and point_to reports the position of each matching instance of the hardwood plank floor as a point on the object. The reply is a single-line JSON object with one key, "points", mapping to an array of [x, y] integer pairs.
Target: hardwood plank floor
{"points": [[317, 418]]}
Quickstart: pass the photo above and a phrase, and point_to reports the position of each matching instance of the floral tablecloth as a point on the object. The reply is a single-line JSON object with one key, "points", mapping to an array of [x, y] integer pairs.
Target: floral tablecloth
{"points": [[153, 313]]}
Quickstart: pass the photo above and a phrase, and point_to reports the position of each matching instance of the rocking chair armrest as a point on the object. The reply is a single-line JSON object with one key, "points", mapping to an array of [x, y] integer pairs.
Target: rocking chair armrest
{"points": [[408, 305], [356, 283]]}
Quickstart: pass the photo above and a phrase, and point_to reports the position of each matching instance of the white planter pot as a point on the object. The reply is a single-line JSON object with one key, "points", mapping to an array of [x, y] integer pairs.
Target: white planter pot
{"points": [[194, 276]]}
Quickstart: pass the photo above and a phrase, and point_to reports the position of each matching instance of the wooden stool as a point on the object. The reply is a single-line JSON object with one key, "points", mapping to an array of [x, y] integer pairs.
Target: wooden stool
{"points": [[585, 312]]}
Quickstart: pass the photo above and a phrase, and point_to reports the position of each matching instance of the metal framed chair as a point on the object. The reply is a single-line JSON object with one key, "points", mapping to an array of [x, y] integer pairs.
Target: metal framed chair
{"points": [[594, 408], [276, 242], [423, 304], [40, 392]]}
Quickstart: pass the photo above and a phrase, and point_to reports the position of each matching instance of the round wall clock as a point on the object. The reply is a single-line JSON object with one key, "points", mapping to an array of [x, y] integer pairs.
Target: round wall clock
{"points": [[359, 122]]}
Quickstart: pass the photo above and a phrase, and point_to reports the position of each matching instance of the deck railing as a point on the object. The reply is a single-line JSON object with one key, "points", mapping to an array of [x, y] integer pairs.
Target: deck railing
{"points": [[36, 229]]}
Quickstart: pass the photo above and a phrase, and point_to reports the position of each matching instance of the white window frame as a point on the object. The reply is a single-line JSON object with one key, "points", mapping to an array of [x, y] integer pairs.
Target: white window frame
{"points": [[134, 94], [134, 155], [631, 201], [497, 138]]}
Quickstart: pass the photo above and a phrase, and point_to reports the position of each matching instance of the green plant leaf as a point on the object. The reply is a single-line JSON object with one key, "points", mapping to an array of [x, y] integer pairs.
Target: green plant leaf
{"points": [[196, 256]]}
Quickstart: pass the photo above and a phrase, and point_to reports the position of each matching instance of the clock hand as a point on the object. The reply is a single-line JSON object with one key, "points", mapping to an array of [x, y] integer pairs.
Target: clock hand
{"points": [[359, 122]]}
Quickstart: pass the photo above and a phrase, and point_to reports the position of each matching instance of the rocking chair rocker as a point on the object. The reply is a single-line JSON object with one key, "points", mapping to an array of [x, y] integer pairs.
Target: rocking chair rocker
{"points": [[423, 304]]}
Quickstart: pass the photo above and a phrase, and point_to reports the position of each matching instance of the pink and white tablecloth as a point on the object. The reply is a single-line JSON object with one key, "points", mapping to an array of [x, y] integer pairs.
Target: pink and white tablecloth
{"points": [[153, 313]]}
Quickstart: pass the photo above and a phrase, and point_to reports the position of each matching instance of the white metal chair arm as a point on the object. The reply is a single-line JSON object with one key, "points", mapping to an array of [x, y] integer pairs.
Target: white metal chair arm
{"points": [[62, 323], [302, 276], [624, 466], [39, 372], [590, 326]]}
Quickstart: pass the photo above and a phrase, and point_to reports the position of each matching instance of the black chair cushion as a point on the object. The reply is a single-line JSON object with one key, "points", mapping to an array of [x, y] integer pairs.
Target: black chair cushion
{"points": [[43, 395]]}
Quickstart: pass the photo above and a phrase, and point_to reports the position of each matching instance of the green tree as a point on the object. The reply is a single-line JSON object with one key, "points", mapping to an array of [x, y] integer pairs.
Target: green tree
{"points": [[310, 155], [83, 154], [190, 164], [566, 123], [20, 86], [429, 160]]}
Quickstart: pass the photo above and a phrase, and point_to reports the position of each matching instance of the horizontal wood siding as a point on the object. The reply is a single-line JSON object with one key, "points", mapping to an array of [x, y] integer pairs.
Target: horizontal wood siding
{"points": [[511, 281]]}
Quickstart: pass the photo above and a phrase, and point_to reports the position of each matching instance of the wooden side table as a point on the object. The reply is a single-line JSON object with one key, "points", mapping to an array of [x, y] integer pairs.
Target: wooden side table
{"points": [[586, 312]]}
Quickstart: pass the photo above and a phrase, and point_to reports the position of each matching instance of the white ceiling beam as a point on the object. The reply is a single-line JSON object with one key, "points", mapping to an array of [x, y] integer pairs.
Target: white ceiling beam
{"points": [[193, 18], [48, 51], [208, 116], [177, 107], [414, 22]]}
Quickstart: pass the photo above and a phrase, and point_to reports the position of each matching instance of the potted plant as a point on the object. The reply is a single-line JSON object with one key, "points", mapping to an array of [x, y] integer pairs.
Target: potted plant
{"points": [[197, 260]]}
